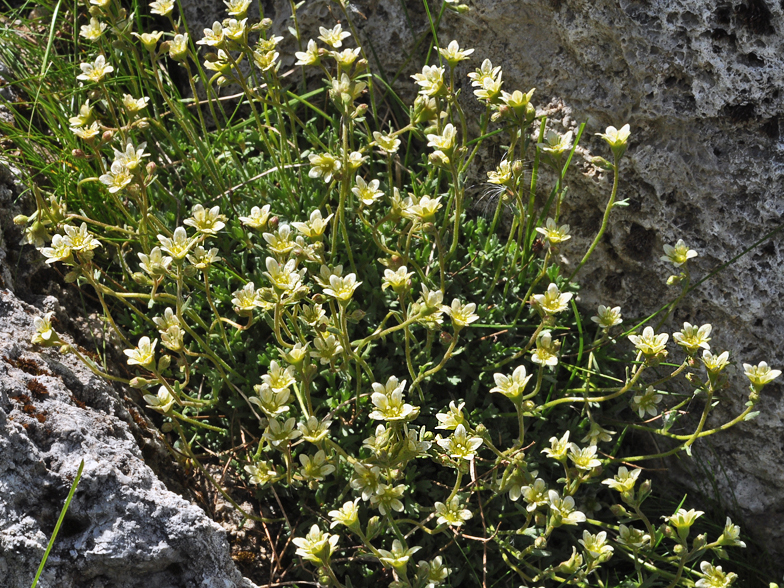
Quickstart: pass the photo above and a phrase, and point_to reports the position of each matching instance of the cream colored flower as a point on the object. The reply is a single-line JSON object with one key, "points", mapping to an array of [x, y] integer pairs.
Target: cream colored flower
{"points": [[93, 30], [453, 54], [715, 363], [308, 57], [258, 217], [324, 165], [334, 36], [96, 71], [555, 143], [342, 288], [163, 402], [133, 105], [650, 343], [131, 157], [646, 402], [237, 8], [155, 264], [553, 233], [585, 458], [462, 314], [607, 317], [553, 300], [430, 81], [143, 354], [761, 374], [511, 386], [460, 445], [162, 7], [117, 177], [678, 254], [452, 513], [546, 352], [315, 227], [207, 222], [87, 132], [178, 245], [316, 546], [388, 143]]}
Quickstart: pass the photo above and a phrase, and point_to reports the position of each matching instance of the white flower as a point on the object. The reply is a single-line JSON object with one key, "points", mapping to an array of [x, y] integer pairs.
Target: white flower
{"points": [[324, 165], [258, 217], [596, 545], [449, 420], [388, 400], [133, 105], [94, 30], [347, 515], [562, 510], [607, 317], [308, 57], [388, 143], [315, 468], [96, 71], [650, 343], [131, 157], [679, 254], [451, 513], [162, 402], [761, 374], [646, 402], [511, 387], [155, 264], [44, 332], [162, 7], [367, 192], [260, 473], [117, 178], [315, 227], [714, 577], [398, 557], [692, 337], [462, 314], [430, 81], [546, 352], [616, 137], [334, 36], [143, 354], [178, 245], [553, 233], [453, 54], [207, 222], [316, 546], [553, 301], [277, 432], [460, 445]]}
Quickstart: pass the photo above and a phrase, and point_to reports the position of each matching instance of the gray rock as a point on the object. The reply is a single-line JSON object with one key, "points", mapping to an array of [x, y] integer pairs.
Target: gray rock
{"points": [[123, 528], [699, 82]]}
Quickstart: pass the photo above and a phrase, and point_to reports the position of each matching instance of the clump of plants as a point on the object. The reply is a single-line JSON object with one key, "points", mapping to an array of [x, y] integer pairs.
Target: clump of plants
{"points": [[300, 284]]}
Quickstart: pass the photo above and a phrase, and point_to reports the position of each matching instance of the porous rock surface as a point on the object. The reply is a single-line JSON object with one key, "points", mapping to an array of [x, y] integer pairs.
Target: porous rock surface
{"points": [[123, 529], [700, 84]]}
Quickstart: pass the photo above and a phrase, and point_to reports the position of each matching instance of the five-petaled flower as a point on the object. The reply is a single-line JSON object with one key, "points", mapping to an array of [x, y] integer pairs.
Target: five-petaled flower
{"points": [[96, 71], [678, 254], [143, 354]]}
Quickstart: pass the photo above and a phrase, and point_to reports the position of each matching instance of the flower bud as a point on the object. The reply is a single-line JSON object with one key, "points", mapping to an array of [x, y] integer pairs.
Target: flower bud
{"points": [[164, 362], [20, 220], [107, 136], [540, 542], [266, 23], [540, 519], [77, 153], [619, 511], [273, 223], [373, 528], [445, 338], [151, 167], [94, 11]]}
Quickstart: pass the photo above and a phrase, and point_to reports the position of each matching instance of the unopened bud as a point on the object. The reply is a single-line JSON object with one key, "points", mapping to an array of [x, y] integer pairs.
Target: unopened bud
{"points": [[517, 167], [151, 167], [678, 548], [94, 11], [107, 136], [21, 220], [540, 542], [266, 23], [445, 338], [540, 519], [77, 153], [619, 511], [273, 223]]}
